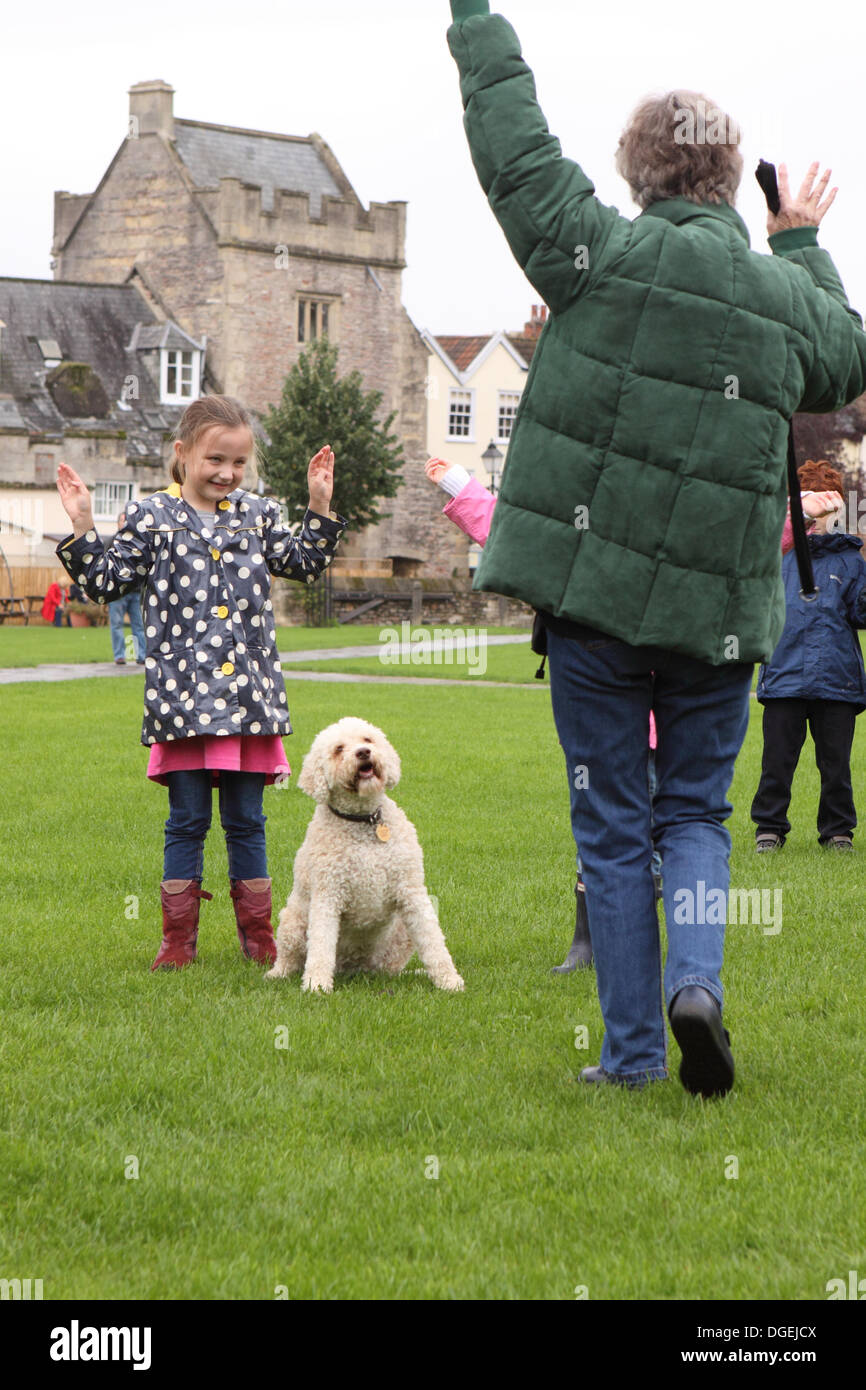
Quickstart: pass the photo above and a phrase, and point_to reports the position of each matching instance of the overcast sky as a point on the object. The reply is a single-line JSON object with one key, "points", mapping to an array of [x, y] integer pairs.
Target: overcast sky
{"points": [[377, 81]]}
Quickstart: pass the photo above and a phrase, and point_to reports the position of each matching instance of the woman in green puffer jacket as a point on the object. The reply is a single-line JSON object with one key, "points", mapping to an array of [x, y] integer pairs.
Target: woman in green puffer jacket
{"points": [[659, 397]]}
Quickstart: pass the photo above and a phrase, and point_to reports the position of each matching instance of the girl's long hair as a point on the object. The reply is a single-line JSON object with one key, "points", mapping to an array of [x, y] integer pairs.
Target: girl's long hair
{"points": [[201, 415]]}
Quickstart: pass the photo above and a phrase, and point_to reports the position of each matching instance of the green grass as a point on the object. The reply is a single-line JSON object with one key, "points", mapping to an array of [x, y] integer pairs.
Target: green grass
{"points": [[35, 646], [305, 1166]]}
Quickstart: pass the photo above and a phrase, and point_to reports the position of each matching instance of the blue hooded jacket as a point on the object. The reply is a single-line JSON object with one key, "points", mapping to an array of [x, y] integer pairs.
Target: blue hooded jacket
{"points": [[818, 656]]}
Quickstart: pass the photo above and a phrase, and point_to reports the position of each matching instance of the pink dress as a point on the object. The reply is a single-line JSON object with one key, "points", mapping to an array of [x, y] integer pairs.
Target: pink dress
{"points": [[221, 753]]}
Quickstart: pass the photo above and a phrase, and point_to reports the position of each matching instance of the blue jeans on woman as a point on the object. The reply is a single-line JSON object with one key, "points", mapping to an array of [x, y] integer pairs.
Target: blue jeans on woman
{"points": [[131, 604], [602, 690], [190, 798]]}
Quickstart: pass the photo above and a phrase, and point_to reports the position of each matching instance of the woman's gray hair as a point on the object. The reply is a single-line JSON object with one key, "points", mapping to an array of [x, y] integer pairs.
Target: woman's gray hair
{"points": [[680, 145]]}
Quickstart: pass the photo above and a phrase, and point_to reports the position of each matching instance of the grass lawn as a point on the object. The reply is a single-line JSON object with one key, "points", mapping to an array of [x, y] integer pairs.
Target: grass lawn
{"points": [[35, 646], [306, 1166]]}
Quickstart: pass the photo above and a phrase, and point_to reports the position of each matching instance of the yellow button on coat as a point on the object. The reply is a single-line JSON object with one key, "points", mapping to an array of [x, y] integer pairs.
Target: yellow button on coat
{"points": [[222, 611], [214, 552], [227, 668], [224, 506]]}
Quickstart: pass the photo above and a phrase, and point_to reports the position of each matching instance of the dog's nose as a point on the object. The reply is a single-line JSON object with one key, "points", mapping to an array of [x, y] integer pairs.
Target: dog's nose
{"points": [[362, 753]]}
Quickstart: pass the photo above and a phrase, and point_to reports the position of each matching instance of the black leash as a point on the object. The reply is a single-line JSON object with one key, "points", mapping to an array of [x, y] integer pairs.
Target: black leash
{"points": [[766, 176]]}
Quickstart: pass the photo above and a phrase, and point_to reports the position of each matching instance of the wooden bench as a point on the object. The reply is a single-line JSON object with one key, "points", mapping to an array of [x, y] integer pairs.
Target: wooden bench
{"points": [[20, 607]]}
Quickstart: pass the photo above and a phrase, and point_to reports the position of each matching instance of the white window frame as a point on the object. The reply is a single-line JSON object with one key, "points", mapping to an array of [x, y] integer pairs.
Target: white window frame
{"points": [[504, 398], [461, 438], [183, 397], [111, 488]]}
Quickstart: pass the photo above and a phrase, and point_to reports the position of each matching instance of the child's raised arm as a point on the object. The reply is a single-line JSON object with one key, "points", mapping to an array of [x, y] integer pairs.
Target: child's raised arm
{"points": [[303, 557], [470, 506], [104, 575]]}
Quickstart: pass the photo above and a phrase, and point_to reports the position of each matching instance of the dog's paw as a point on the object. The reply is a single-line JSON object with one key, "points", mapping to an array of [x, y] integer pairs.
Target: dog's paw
{"points": [[277, 973], [451, 981], [317, 984]]}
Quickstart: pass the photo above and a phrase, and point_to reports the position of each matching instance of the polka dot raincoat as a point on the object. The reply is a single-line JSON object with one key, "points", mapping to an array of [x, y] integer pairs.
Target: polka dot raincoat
{"points": [[211, 664]]}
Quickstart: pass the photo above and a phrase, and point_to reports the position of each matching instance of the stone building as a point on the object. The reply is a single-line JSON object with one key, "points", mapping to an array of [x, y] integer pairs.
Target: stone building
{"points": [[253, 244], [89, 376]]}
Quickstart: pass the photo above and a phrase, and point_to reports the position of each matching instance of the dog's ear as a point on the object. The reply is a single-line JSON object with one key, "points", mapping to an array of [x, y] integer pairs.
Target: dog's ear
{"points": [[390, 765], [313, 779]]}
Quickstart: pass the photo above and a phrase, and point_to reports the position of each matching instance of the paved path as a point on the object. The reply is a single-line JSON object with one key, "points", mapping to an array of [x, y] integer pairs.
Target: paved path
{"points": [[82, 670]]}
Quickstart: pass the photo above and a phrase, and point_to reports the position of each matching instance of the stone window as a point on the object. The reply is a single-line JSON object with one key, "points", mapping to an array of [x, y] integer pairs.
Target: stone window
{"points": [[317, 318], [460, 415], [508, 403]]}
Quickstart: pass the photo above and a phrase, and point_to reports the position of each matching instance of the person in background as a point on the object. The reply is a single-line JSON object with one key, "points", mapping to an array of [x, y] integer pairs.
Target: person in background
{"points": [[815, 678], [129, 603], [54, 606]]}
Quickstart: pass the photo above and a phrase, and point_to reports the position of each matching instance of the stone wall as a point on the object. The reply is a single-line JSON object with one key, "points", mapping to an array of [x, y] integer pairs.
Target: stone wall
{"points": [[463, 607]]}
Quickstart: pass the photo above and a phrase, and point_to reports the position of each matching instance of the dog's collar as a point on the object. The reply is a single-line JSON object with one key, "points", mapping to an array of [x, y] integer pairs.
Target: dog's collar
{"points": [[383, 831], [373, 818]]}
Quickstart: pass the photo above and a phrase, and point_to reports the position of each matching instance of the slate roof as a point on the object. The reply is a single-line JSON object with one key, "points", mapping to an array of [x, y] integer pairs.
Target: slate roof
{"points": [[212, 152], [106, 326]]}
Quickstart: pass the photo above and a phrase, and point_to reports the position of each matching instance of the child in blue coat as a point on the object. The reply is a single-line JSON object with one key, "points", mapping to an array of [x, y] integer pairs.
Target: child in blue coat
{"points": [[815, 677]]}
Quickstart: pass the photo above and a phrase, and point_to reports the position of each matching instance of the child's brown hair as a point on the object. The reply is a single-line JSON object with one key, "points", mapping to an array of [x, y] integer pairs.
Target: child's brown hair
{"points": [[819, 476], [199, 416]]}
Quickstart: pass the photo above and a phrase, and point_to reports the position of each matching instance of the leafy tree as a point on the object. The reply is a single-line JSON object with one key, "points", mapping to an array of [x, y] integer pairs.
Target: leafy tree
{"points": [[317, 407]]}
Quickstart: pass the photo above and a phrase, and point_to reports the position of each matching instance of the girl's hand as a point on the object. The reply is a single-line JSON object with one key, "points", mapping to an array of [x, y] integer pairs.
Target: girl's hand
{"points": [[75, 498], [818, 504], [435, 468], [806, 210], [320, 480]]}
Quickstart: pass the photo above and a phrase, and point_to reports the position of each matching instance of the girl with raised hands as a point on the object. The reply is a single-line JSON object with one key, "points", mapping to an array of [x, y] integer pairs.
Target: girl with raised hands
{"points": [[202, 552]]}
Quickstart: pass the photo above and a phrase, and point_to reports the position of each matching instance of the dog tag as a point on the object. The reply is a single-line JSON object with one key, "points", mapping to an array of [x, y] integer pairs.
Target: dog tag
{"points": [[383, 832]]}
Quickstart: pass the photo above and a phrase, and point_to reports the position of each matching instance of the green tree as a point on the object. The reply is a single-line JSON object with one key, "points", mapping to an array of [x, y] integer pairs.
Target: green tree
{"points": [[317, 407]]}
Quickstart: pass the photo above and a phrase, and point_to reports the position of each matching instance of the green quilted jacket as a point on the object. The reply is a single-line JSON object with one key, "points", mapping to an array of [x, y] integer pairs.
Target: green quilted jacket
{"points": [[644, 492]]}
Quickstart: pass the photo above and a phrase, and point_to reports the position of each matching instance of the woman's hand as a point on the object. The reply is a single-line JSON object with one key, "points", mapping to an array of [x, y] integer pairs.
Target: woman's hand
{"points": [[806, 210], [320, 480], [75, 498], [818, 504]]}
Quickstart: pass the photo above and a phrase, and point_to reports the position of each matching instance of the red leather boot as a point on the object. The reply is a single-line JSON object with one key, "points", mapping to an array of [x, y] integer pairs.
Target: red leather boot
{"points": [[252, 900], [180, 908]]}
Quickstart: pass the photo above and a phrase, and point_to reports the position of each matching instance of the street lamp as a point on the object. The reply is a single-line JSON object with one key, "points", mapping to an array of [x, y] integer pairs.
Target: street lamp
{"points": [[491, 458]]}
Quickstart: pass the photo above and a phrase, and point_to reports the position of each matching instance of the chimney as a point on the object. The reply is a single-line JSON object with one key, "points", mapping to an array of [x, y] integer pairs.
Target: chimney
{"points": [[150, 109], [533, 328]]}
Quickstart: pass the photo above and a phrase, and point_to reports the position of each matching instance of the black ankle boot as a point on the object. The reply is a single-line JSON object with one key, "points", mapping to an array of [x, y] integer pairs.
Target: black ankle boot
{"points": [[580, 952]]}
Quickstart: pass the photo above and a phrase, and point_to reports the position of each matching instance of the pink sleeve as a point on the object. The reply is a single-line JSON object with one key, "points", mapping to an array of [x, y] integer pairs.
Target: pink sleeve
{"points": [[653, 738], [472, 510]]}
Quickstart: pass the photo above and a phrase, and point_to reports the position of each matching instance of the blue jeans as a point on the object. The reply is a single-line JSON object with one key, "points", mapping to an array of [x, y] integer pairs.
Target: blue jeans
{"points": [[131, 604], [652, 783], [190, 798], [602, 691]]}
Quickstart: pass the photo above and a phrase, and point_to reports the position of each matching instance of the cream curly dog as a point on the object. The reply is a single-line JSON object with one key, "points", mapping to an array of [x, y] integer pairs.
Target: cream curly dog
{"points": [[358, 900]]}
